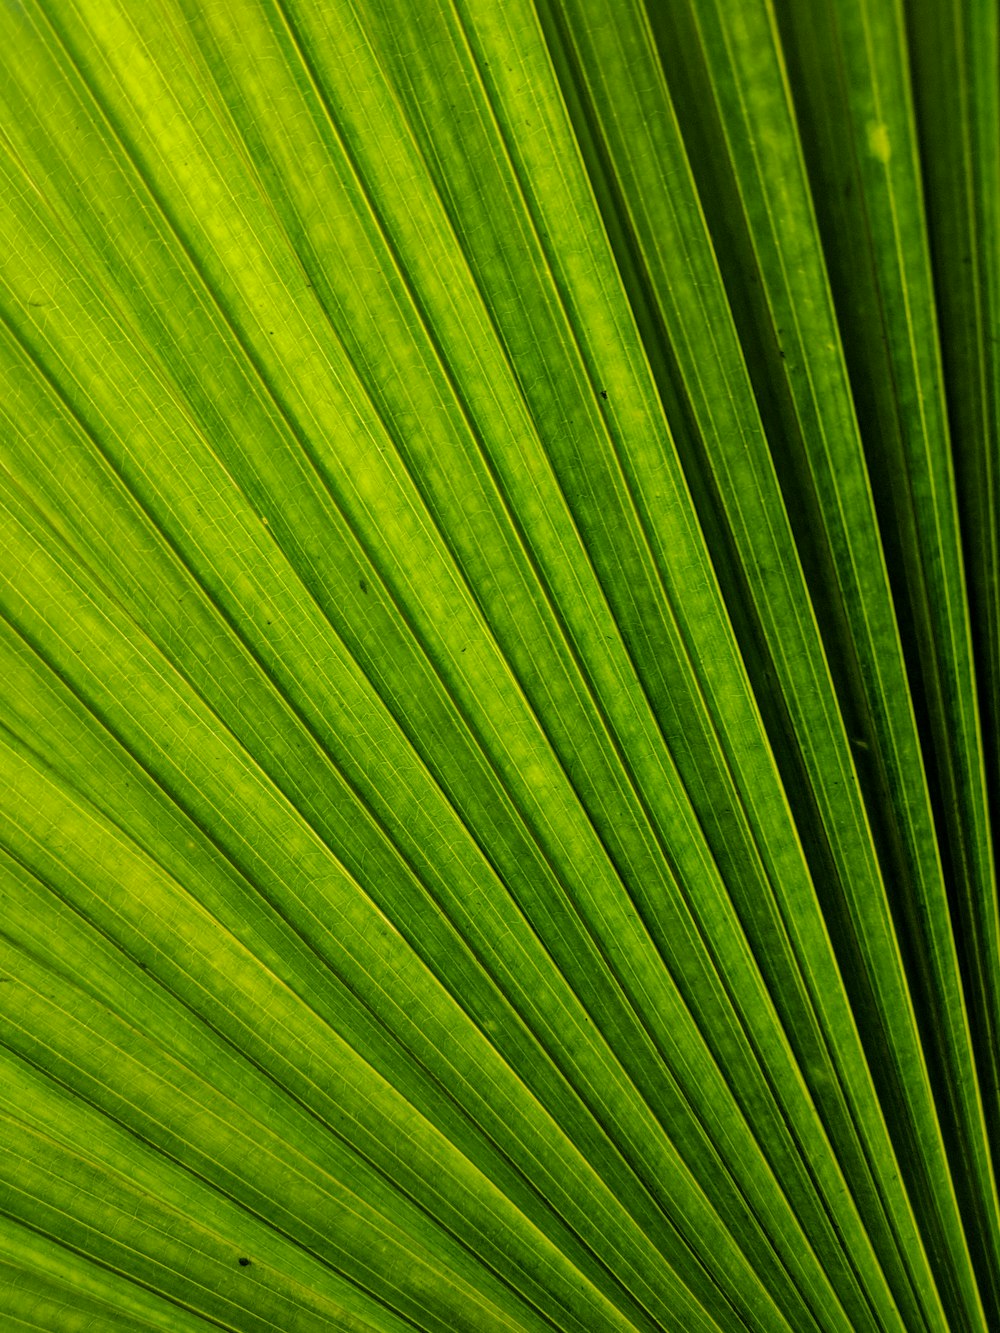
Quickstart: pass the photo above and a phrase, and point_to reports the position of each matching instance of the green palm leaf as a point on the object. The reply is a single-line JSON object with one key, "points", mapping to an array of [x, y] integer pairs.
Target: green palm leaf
{"points": [[500, 666]]}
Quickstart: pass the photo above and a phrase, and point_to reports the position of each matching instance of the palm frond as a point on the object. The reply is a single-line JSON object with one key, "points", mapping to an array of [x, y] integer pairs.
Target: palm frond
{"points": [[500, 658]]}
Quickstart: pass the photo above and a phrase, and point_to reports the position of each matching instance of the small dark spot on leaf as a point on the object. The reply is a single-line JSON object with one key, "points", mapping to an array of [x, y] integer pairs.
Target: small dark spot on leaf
{"points": [[781, 354], [604, 394], [243, 1263], [363, 585]]}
